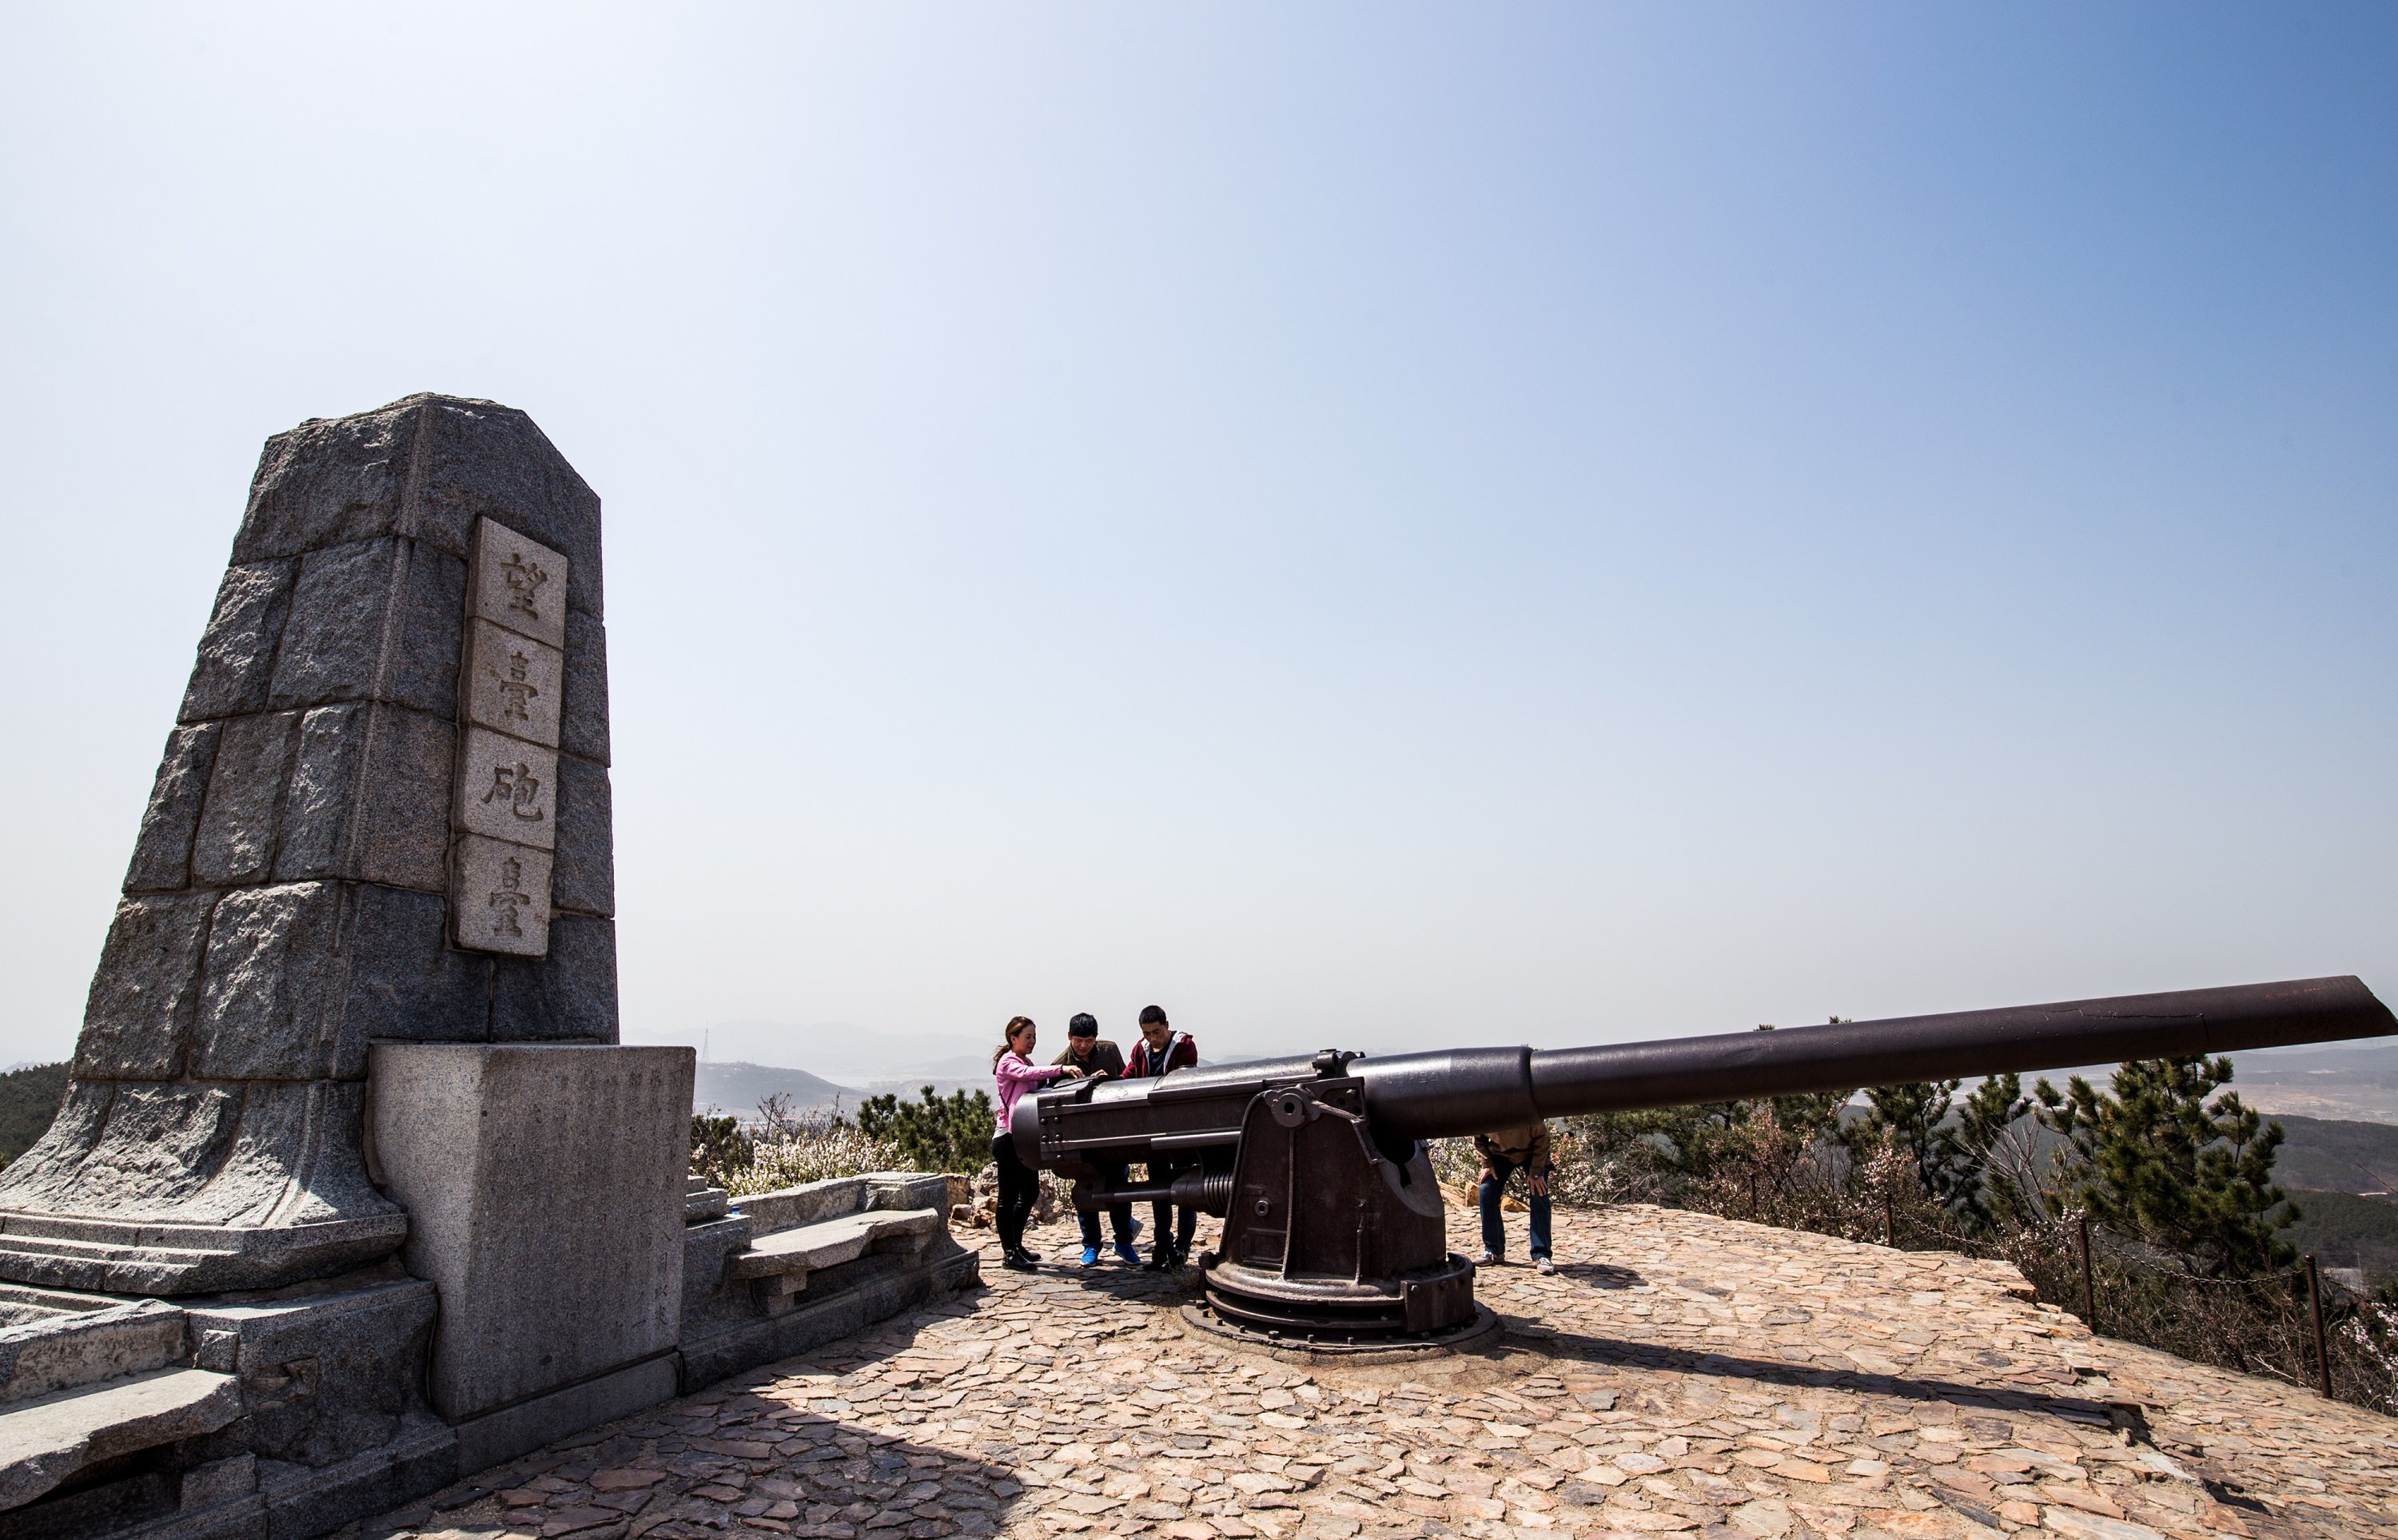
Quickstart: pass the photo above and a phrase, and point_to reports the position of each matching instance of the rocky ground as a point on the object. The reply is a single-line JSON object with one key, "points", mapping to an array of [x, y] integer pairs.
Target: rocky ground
{"points": [[1680, 1374]]}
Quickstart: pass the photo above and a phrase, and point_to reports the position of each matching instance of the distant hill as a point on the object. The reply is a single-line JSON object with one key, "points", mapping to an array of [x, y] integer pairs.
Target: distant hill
{"points": [[844, 1053], [2336, 1155], [908, 1089], [2343, 1230], [2341, 1173], [2356, 1083], [739, 1088], [28, 1099]]}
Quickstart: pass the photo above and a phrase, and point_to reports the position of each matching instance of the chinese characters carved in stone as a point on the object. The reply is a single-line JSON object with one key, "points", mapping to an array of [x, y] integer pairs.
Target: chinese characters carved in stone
{"points": [[512, 682]]}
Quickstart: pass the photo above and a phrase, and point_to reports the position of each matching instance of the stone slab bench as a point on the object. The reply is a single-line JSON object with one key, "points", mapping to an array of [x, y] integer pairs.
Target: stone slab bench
{"points": [[767, 1275], [51, 1439], [777, 1265]]}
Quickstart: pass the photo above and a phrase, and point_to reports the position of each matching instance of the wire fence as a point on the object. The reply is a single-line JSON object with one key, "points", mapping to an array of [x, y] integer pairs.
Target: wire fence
{"points": [[2288, 1324]]}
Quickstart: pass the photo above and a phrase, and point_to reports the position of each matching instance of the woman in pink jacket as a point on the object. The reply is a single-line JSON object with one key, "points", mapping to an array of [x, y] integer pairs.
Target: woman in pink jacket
{"points": [[1014, 1073]]}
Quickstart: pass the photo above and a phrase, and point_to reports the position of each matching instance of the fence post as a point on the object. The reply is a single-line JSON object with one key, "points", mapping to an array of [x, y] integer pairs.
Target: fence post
{"points": [[2314, 1305], [1890, 1218], [2089, 1297]]}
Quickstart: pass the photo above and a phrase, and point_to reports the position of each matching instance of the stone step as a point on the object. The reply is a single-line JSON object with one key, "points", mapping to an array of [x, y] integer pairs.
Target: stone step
{"points": [[59, 1262], [832, 1241], [66, 1349], [50, 1440], [21, 1305], [140, 1257]]}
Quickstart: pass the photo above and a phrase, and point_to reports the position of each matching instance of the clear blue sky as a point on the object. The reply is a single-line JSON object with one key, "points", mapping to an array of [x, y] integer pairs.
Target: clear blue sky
{"points": [[1382, 525]]}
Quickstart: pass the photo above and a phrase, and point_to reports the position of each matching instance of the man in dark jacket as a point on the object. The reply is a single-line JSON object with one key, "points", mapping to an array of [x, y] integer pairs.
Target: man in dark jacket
{"points": [[1503, 1154], [1161, 1049], [1098, 1060]]}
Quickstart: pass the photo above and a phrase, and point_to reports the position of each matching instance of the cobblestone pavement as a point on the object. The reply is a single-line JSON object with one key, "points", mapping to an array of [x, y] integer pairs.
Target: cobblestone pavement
{"points": [[1680, 1374]]}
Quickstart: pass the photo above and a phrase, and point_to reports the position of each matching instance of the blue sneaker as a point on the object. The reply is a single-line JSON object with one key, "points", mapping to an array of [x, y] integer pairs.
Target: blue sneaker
{"points": [[1136, 1232], [1126, 1254], [1090, 1256]]}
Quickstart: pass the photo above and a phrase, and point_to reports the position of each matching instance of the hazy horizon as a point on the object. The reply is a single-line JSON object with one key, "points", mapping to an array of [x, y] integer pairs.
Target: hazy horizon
{"points": [[1389, 526]]}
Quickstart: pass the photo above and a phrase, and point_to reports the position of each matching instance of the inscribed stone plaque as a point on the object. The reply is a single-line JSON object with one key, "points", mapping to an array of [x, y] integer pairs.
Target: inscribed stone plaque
{"points": [[513, 683], [502, 904], [507, 789], [518, 583]]}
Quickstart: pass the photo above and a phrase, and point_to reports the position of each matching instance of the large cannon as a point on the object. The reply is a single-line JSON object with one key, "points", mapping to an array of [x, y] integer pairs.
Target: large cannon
{"points": [[1333, 1229]]}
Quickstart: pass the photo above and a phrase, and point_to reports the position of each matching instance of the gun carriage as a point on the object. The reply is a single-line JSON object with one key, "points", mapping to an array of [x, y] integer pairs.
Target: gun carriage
{"points": [[1333, 1227]]}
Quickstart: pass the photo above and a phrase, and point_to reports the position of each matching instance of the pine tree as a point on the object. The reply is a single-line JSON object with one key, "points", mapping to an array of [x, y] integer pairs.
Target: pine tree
{"points": [[1913, 1116], [719, 1148], [2159, 1162], [1999, 1192], [1959, 1149], [948, 1133]]}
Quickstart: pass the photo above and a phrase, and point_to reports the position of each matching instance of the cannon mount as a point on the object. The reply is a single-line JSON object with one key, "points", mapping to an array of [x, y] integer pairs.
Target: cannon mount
{"points": [[1331, 1237]]}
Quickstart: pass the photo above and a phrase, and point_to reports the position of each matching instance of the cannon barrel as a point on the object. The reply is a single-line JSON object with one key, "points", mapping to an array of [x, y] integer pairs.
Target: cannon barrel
{"points": [[1334, 1227], [1468, 1091]]}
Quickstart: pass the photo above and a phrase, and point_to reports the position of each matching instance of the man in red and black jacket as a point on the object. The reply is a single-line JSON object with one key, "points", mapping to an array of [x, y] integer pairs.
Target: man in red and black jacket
{"points": [[1161, 1049]]}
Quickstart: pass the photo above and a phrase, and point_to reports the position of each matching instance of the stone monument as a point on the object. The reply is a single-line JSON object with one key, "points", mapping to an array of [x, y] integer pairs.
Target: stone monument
{"points": [[383, 813], [353, 1190]]}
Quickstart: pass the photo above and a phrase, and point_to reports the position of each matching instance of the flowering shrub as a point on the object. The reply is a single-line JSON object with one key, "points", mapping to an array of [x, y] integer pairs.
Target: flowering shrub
{"points": [[814, 1151], [781, 1148]]}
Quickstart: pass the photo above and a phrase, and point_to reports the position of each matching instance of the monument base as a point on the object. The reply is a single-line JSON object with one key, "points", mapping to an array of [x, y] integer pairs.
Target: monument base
{"points": [[543, 1185], [51, 1252], [293, 1412], [486, 1440], [230, 1188]]}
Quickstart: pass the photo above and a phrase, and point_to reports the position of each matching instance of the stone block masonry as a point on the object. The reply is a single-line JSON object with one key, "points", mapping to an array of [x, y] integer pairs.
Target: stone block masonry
{"points": [[382, 812]]}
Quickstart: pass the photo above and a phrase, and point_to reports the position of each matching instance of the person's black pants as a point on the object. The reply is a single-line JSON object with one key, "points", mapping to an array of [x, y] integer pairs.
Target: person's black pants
{"points": [[1019, 1190], [1121, 1213], [1183, 1225]]}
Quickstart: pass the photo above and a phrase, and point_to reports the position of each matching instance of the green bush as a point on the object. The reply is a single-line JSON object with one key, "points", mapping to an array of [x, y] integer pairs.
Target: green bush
{"points": [[946, 1133]]}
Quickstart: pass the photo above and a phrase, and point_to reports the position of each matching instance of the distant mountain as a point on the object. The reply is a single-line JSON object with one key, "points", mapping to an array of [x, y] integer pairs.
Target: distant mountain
{"points": [[739, 1088], [2337, 1082], [2336, 1155], [2343, 1230], [2347, 1081], [849, 1053]]}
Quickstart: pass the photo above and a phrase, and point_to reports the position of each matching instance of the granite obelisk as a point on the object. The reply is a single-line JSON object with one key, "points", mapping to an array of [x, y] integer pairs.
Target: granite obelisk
{"points": [[383, 813]]}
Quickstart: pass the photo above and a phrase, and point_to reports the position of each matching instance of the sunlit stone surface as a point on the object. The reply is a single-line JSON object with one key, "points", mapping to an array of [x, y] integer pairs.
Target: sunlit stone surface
{"points": [[1680, 1374]]}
